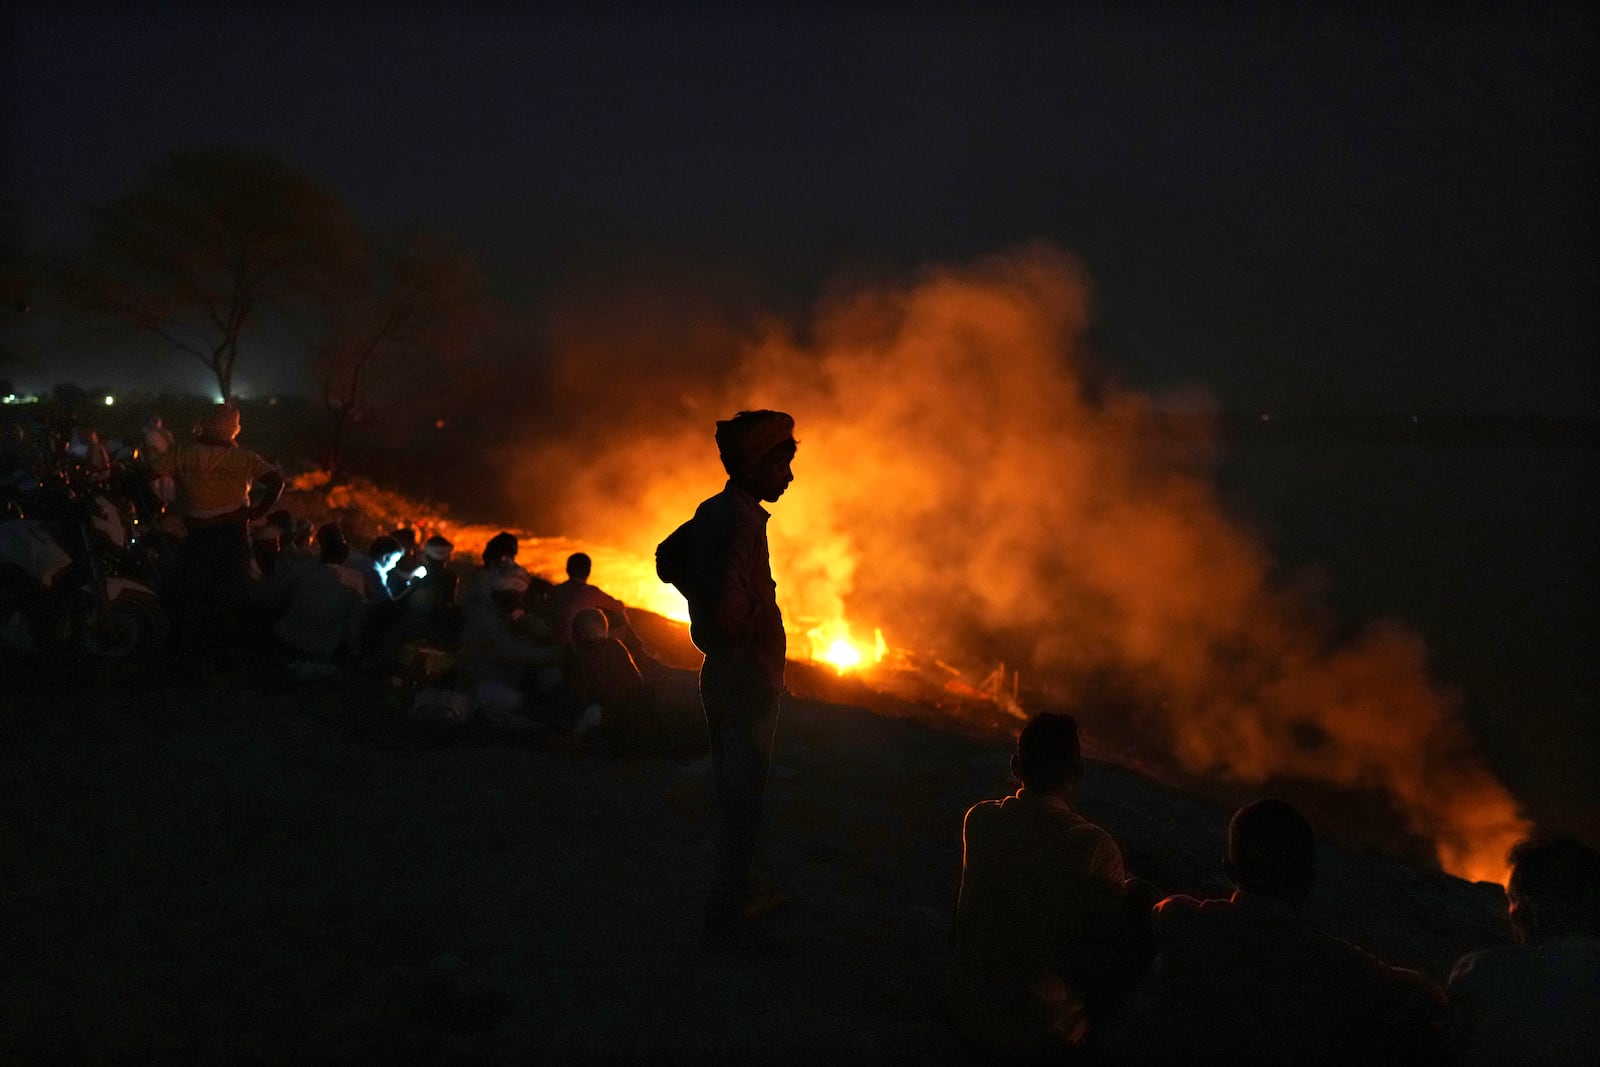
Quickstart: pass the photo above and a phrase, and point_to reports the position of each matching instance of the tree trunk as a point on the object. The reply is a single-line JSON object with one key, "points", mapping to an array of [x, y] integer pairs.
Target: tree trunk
{"points": [[338, 442]]}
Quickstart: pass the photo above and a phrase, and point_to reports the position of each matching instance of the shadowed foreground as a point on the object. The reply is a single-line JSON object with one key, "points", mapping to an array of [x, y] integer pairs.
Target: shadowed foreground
{"points": [[248, 869]]}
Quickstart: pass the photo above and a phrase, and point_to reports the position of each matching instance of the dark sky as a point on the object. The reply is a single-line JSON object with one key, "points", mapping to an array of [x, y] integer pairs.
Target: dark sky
{"points": [[1332, 209]]}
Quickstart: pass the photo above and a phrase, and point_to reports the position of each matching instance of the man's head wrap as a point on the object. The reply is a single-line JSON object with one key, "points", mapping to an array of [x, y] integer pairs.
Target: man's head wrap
{"points": [[221, 423], [746, 438], [437, 549]]}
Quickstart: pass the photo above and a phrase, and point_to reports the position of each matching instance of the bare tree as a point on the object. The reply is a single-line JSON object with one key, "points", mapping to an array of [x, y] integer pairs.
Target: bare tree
{"points": [[401, 339], [18, 282], [207, 244]]}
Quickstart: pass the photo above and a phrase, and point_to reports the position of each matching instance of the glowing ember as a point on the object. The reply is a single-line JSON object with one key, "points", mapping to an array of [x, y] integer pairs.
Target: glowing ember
{"points": [[831, 643], [843, 655]]}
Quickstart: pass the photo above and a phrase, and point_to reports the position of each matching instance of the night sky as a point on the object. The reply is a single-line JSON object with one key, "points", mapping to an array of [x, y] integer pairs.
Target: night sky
{"points": [[1330, 210]]}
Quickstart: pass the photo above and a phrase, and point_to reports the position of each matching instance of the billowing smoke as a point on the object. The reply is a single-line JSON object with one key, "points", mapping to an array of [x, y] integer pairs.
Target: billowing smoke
{"points": [[965, 484]]}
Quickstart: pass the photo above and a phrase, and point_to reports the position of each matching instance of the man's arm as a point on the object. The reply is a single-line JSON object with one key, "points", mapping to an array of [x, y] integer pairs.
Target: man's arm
{"points": [[1106, 869], [971, 829], [268, 479], [615, 610]]}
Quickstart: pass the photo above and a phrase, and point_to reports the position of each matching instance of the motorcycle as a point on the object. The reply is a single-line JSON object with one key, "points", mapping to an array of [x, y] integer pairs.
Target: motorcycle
{"points": [[75, 578]]}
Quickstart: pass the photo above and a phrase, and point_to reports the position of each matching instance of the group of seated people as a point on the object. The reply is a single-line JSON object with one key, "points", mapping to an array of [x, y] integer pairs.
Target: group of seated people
{"points": [[1060, 955], [518, 652]]}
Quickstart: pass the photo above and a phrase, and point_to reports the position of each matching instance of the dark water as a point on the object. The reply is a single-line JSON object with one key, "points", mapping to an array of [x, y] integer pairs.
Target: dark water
{"points": [[1490, 553]]}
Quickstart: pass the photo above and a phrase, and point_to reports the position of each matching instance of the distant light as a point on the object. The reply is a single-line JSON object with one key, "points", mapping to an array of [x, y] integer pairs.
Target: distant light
{"points": [[11, 398], [1265, 417], [110, 400], [438, 424], [1414, 419], [221, 399], [272, 401]]}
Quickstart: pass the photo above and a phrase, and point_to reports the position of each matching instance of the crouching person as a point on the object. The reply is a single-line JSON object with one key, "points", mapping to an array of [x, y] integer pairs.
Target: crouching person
{"points": [[1038, 883]]}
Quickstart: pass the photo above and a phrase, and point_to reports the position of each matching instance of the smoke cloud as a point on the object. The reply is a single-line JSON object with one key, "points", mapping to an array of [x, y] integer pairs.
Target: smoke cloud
{"points": [[966, 483]]}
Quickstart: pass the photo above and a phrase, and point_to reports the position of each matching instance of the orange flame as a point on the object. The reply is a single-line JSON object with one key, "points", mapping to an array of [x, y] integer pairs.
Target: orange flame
{"points": [[833, 644]]}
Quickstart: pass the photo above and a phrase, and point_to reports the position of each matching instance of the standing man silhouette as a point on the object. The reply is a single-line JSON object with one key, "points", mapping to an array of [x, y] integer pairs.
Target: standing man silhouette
{"points": [[209, 482], [726, 576]]}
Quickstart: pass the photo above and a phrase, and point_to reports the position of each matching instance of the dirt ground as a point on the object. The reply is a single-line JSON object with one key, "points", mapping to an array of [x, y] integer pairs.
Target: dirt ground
{"points": [[240, 867], [229, 872]]}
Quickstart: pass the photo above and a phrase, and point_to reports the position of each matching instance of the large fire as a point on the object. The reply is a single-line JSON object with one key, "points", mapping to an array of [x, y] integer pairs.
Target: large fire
{"points": [[962, 483], [631, 578]]}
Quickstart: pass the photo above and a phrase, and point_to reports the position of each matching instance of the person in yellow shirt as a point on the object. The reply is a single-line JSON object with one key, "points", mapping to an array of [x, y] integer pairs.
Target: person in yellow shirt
{"points": [[208, 482]]}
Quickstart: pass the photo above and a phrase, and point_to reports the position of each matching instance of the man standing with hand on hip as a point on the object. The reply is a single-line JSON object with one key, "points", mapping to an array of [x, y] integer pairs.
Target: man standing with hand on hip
{"points": [[719, 560]]}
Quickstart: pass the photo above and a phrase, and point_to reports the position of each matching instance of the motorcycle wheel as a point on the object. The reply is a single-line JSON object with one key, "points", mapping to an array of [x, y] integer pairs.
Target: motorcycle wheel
{"points": [[123, 643]]}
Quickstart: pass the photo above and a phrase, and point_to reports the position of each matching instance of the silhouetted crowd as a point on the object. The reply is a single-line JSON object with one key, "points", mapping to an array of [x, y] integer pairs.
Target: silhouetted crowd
{"points": [[491, 645], [1060, 955]]}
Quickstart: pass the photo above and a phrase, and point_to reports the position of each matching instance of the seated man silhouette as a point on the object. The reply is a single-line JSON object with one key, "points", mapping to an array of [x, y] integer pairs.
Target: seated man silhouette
{"points": [[427, 608], [563, 602], [499, 561], [601, 673], [507, 659], [576, 594], [325, 612], [435, 583], [1035, 876], [1539, 1000], [374, 566], [1247, 980], [399, 576]]}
